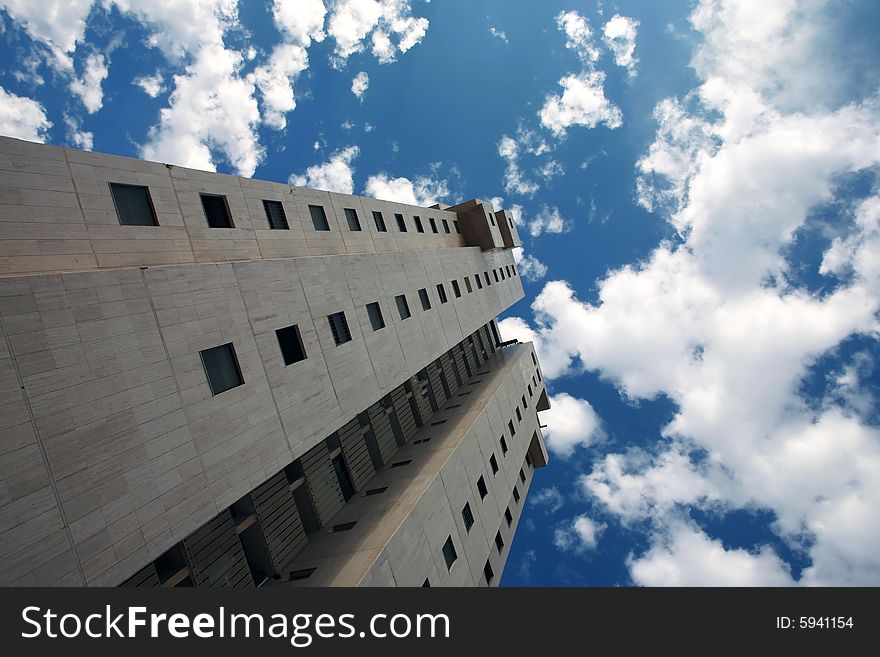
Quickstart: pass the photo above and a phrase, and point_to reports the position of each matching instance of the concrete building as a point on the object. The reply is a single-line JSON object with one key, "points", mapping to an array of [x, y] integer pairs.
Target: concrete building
{"points": [[207, 380]]}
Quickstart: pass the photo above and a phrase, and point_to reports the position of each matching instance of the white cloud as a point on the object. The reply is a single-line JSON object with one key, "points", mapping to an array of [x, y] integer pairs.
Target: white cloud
{"points": [[59, 24], [498, 34], [548, 220], [619, 35], [571, 422], [582, 102], [514, 180], [550, 499], [88, 87], [77, 136], [579, 535], [718, 322], [275, 80], [531, 269], [578, 35], [22, 117], [300, 22], [550, 169], [423, 191], [153, 85], [335, 175], [388, 24], [359, 84]]}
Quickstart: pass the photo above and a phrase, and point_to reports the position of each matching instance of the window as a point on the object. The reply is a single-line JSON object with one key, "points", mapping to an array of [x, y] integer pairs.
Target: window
{"points": [[402, 306], [479, 282], [380, 222], [528, 460], [433, 224], [508, 516], [455, 224], [525, 405], [518, 415], [539, 375], [495, 274], [510, 426], [488, 573], [502, 274], [449, 553], [515, 494], [531, 394], [401, 224], [319, 217], [426, 584], [491, 218], [510, 221], [351, 216], [481, 486], [534, 358], [133, 205], [441, 292], [522, 475], [339, 328], [375, 313], [467, 284], [445, 225], [291, 344], [503, 446], [493, 463], [221, 368], [456, 289], [275, 215], [216, 211], [343, 477], [418, 221], [423, 297], [486, 275], [499, 542], [467, 516]]}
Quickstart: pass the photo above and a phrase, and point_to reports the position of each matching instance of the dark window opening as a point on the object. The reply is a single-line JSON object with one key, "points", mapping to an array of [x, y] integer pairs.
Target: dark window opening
{"points": [[275, 215], [433, 224], [339, 328], [343, 526], [402, 306], [134, 207], [401, 224], [456, 289], [522, 475], [467, 516], [486, 275], [400, 464], [518, 415], [488, 572], [510, 426], [426, 584], [221, 368], [423, 297], [495, 274], [351, 216], [515, 494], [481, 487], [319, 217], [375, 313], [380, 222], [441, 292], [503, 446], [493, 463], [303, 573], [529, 460], [508, 516], [418, 221], [376, 491], [290, 341], [449, 553], [499, 542], [445, 225], [467, 284], [216, 211], [457, 228], [479, 282]]}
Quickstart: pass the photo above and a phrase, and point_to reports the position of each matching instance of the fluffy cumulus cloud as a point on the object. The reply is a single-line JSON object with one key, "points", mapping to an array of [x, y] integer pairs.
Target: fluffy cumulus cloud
{"points": [[359, 84], [619, 35], [386, 27], [548, 220], [718, 321], [77, 136], [549, 499], [580, 534], [88, 86], [531, 268], [571, 422], [22, 117], [59, 24], [335, 175], [152, 85], [423, 190]]}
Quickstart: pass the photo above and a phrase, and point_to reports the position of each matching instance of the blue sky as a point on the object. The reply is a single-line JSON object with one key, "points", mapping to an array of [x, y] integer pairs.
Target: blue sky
{"points": [[696, 185]]}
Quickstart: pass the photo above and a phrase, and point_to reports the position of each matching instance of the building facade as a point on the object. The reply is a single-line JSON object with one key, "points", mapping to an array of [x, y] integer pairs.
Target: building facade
{"points": [[208, 380]]}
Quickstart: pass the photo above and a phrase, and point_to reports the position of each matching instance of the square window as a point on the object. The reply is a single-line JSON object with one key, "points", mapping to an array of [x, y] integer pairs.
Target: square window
{"points": [[402, 306], [503, 446], [401, 224], [375, 313], [479, 282], [457, 228], [449, 553], [493, 463], [467, 284], [339, 328], [456, 289], [515, 494], [291, 344], [216, 211], [133, 205], [467, 516], [488, 573], [510, 426], [433, 224], [441, 292], [380, 222], [445, 225], [481, 487], [423, 297], [351, 216], [418, 221], [275, 215], [508, 516], [319, 217], [221, 368], [499, 542]]}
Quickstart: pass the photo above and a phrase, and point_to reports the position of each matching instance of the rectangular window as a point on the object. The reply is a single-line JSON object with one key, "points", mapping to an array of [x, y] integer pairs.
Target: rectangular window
{"points": [[351, 216], [528, 460], [488, 573], [515, 495], [503, 446], [375, 313], [445, 225], [467, 284], [221, 368], [510, 426], [380, 222], [493, 463], [499, 542], [441, 292], [522, 475], [449, 553], [508, 516], [423, 297], [339, 328], [495, 274], [491, 218], [534, 358], [479, 282], [216, 211], [275, 215], [518, 415], [467, 516], [433, 224], [481, 487], [402, 306], [319, 217], [456, 289], [457, 228], [531, 394], [418, 221], [486, 276], [401, 224], [133, 205], [525, 405], [502, 274], [291, 344]]}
